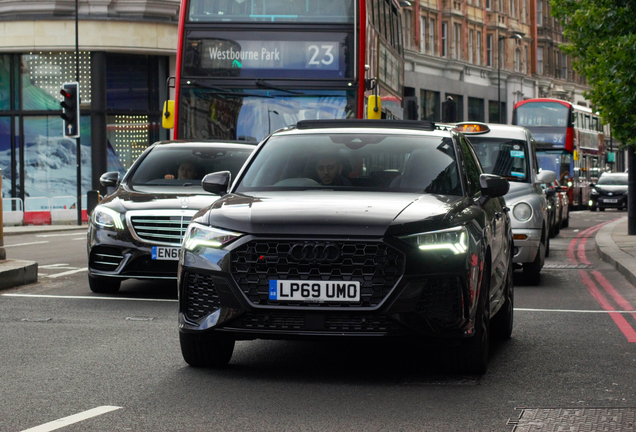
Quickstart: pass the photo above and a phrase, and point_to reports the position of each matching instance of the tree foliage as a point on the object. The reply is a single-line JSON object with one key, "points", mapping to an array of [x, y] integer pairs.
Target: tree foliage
{"points": [[601, 37]]}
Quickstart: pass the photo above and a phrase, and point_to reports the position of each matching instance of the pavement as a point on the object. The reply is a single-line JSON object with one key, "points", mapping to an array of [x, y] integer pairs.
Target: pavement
{"points": [[22, 272], [612, 244]]}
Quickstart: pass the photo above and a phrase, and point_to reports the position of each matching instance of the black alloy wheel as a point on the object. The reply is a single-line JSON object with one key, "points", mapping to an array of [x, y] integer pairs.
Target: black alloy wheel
{"points": [[474, 351], [211, 351], [502, 322], [103, 285]]}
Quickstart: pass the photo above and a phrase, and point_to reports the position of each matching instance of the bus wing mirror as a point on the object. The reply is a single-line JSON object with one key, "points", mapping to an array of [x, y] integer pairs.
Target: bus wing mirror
{"points": [[374, 107], [167, 119]]}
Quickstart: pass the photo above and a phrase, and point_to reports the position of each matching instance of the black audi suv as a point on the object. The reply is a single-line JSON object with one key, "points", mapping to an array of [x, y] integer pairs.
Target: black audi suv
{"points": [[350, 228], [136, 231]]}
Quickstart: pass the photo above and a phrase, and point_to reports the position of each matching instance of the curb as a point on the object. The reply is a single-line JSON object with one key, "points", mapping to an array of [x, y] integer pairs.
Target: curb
{"points": [[17, 272], [612, 254], [38, 229]]}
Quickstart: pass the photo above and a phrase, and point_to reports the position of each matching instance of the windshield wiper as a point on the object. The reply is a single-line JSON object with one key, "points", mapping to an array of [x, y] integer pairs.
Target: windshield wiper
{"points": [[262, 83], [224, 92]]}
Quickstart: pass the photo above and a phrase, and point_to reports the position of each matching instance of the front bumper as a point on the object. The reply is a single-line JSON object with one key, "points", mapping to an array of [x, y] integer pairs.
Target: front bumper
{"points": [[526, 249], [213, 297], [604, 201]]}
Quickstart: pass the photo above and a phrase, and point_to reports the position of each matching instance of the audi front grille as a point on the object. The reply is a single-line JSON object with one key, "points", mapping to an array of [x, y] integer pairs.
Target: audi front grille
{"points": [[377, 266]]}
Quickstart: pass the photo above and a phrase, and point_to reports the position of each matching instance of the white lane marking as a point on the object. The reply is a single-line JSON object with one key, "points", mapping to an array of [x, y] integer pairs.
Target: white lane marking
{"points": [[26, 244], [75, 418], [86, 297], [58, 235], [576, 230], [78, 239], [572, 311], [55, 265], [66, 273]]}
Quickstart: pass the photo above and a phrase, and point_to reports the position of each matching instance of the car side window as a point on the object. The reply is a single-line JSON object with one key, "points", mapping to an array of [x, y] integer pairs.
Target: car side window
{"points": [[473, 169]]}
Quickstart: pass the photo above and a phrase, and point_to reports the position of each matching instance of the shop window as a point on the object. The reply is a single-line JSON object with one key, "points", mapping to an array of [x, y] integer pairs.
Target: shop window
{"points": [[128, 82], [129, 136], [476, 110], [430, 101], [5, 155], [42, 76], [5, 82]]}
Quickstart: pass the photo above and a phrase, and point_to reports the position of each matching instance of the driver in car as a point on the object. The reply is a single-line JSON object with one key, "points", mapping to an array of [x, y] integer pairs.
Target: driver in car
{"points": [[186, 171], [329, 170]]}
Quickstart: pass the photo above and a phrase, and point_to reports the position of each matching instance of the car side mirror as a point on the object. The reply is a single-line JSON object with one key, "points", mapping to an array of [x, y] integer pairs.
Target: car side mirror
{"points": [[217, 183], [492, 186], [109, 179], [546, 176], [564, 188], [550, 192], [592, 184]]}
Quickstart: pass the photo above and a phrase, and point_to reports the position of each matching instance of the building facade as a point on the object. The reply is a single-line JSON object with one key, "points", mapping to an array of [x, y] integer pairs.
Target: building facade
{"points": [[127, 51], [474, 59]]}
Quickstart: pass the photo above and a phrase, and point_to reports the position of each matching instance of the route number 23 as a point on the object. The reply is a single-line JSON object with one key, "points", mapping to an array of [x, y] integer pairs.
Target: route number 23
{"points": [[321, 54]]}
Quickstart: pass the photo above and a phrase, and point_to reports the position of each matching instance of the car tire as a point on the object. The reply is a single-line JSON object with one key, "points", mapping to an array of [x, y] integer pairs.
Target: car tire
{"points": [[532, 271], [103, 285], [473, 352], [601, 209], [593, 209], [206, 351], [566, 221], [501, 325]]}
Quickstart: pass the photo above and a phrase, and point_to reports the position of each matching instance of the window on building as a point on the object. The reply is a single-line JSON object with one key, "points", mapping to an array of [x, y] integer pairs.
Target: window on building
{"points": [[423, 34], [524, 11], [476, 111], [489, 4], [431, 37], [430, 102], [489, 50], [525, 59], [556, 64], [517, 60], [478, 48], [540, 60], [408, 18], [493, 113], [457, 38], [539, 12], [453, 108], [470, 45], [564, 66], [513, 12], [5, 82], [444, 39]]}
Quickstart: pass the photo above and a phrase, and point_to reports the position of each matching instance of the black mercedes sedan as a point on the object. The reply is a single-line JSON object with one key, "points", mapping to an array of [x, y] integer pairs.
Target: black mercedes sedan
{"points": [[609, 192], [136, 231], [350, 228]]}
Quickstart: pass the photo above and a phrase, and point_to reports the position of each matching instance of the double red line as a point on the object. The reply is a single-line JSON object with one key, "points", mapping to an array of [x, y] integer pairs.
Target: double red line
{"points": [[576, 255]]}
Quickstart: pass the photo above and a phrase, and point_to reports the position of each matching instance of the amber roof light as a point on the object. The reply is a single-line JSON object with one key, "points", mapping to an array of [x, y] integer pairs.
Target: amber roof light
{"points": [[473, 128]]}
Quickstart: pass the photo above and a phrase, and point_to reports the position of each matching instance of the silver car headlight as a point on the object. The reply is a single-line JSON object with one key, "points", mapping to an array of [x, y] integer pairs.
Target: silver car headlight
{"points": [[522, 212], [453, 239], [201, 236], [105, 217], [593, 192]]}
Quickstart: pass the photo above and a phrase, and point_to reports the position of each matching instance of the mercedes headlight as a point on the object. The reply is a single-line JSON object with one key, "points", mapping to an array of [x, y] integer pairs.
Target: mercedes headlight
{"points": [[453, 239], [593, 192], [522, 212], [201, 236], [105, 217]]}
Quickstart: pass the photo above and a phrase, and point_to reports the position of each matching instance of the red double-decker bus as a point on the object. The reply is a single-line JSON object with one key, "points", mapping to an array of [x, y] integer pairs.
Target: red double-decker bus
{"points": [[569, 139], [248, 67]]}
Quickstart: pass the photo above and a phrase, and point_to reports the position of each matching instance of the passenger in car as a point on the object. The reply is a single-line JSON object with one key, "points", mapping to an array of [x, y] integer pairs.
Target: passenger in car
{"points": [[187, 171], [329, 170]]}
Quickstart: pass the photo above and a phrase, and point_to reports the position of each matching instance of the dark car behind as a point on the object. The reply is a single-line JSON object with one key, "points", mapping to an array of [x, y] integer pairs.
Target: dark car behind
{"points": [[609, 192], [136, 231]]}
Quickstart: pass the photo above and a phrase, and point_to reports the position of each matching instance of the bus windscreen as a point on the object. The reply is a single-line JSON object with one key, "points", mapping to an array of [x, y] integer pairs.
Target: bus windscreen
{"points": [[542, 114]]}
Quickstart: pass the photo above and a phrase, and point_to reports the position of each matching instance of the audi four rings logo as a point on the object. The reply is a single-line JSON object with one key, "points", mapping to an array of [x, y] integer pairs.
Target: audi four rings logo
{"points": [[321, 252]]}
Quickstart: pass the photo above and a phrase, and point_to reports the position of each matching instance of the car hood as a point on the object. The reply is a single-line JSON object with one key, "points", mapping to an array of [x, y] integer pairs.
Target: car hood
{"points": [[329, 213], [125, 199], [606, 189]]}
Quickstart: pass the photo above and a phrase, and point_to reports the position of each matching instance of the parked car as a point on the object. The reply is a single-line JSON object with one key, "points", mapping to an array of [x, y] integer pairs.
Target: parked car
{"points": [[562, 193], [509, 151], [554, 210], [350, 228], [609, 192], [136, 231]]}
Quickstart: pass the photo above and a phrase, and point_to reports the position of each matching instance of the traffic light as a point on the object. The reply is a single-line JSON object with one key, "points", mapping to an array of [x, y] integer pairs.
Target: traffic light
{"points": [[70, 109]]}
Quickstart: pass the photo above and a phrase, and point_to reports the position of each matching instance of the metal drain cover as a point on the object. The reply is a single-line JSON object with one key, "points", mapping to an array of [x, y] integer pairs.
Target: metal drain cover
{"points": [[575, 420], [569, 266]]}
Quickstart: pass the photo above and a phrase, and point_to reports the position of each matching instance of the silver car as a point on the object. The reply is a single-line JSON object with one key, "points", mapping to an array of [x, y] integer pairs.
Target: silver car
{"points": [[509, 151]]}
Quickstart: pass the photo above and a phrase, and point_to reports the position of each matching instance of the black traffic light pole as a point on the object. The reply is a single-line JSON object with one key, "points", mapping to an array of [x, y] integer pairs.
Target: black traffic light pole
{"points": [[78, 150]]}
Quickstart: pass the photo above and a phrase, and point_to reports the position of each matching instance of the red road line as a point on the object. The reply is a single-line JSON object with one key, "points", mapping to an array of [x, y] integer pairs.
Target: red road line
{"points": [[620, 321], [609, 288]]}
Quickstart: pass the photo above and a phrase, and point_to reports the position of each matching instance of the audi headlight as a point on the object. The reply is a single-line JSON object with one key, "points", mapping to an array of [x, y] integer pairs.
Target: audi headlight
{"points": [[453, 239], [201, 236], [105, 217], [522, 212], [593, 192]]}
